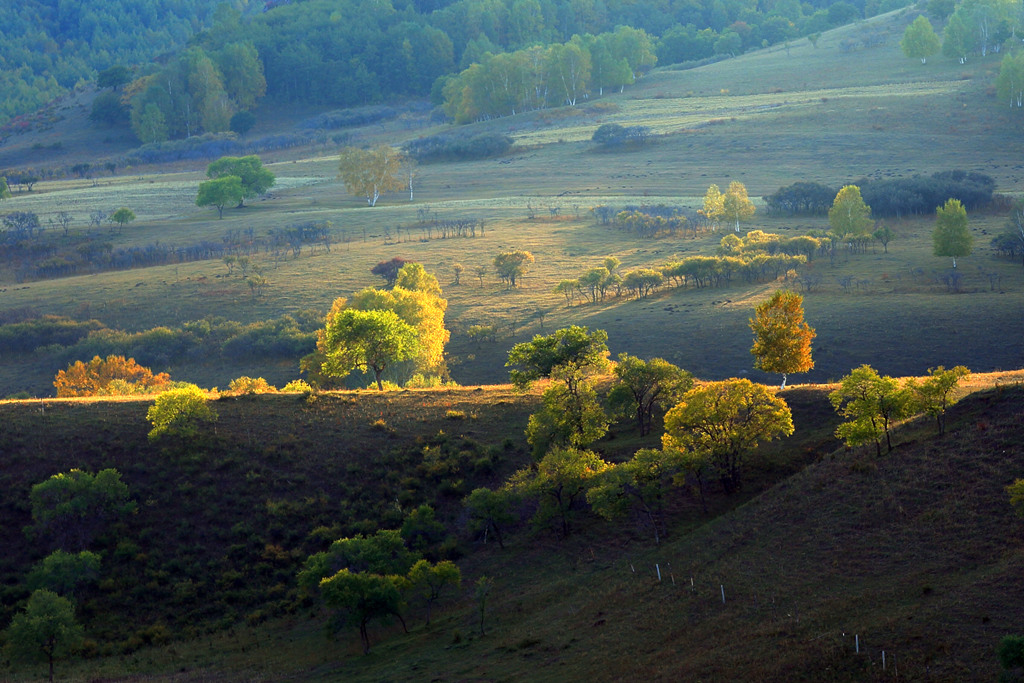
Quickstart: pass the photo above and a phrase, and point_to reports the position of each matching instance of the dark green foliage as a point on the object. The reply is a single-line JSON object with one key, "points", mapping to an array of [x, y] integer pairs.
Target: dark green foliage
{"points": [[573, 348], [242, 122], [458, 147], [63, 572], [107, 110], [45, 631], [801, 198], [921, 195], [71, 509], [114, 76], [422, 532], [614, 136], [383, 553], [1011, 652]]}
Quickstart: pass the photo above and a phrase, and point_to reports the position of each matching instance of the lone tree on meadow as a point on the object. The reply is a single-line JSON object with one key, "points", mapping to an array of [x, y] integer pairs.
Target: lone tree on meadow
{"points": [[512, 265], [122, 217], [367, 340], [221, 192], [371, 173], [951, 236], [782, 340], [919, 40], [255, 179]]}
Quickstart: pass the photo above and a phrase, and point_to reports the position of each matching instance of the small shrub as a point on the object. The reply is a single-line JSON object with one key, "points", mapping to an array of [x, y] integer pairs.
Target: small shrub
{"points": [[179, 411], [455, 415], [297, 386], [250, 385]]}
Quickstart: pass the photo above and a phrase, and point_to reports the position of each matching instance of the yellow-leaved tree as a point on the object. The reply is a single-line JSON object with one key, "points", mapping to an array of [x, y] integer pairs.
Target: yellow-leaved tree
{"points": [[371, 172], [782, 340], [416, 300]]}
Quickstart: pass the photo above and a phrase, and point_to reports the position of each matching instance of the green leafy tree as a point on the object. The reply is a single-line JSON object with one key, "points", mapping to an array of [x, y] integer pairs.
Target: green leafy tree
{"points": [[421, 530], [641, 386], [957, 38], [179, 411], [255, 178], [367, 340], [714, 205], [951, 236], [720, 423], [113, 77], [363, 597], [559, 482], [383, 553], [63, 572], [371, 173], [1010, 81], [122, 216], [73, 507], [919, 40], [149, 123], [573, 348], [416, 299], [849, 215], [782, 340], [221, 192], [430, 580], [512, 265], [46, 630], [5, 190], [567, 417], [639, 485], [934, 395], [873, 405], [489, 511]]}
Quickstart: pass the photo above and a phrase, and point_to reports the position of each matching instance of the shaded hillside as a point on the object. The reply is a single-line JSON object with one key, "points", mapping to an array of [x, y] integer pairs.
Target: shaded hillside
{"points": [[916, 553]]}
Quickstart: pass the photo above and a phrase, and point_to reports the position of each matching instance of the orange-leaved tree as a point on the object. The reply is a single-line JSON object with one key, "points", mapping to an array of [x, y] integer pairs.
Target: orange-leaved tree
{"points": [[782, 340], [114, 375]]}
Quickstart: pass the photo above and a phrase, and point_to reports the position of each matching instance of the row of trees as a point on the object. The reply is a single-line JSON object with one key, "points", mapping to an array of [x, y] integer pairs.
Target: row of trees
{"points": [[504, 84]]}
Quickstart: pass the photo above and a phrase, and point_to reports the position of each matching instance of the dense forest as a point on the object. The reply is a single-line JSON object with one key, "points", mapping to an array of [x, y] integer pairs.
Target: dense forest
{"points": [[49, 46], [342, 53]]}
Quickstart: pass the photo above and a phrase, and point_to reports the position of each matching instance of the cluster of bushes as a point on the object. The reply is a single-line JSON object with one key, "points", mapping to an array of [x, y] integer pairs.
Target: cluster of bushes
{"points": [[650, 221], [615, 136], [890, 197], [458, 147], [648, 226], [216, 145], [349, 118]]}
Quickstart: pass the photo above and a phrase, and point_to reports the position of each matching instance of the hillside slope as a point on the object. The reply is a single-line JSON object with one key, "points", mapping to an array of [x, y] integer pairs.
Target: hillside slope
{"points": [[916, 553]]}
